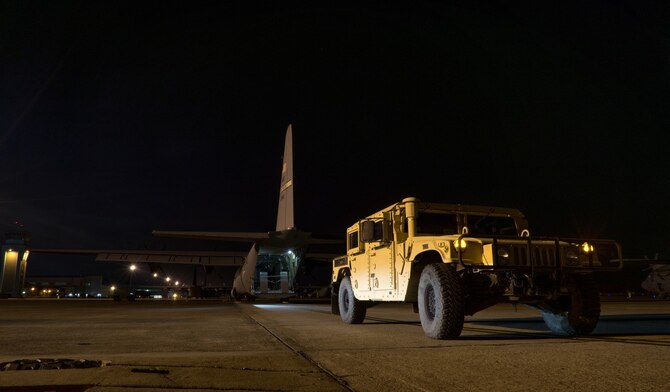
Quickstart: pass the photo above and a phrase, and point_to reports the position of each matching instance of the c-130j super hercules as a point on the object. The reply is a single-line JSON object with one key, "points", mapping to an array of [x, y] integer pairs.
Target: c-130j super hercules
{"points": [[282, 251]]}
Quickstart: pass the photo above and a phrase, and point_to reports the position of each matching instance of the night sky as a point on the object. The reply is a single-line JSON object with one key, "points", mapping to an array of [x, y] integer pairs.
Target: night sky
{"points": [[117, 118]]}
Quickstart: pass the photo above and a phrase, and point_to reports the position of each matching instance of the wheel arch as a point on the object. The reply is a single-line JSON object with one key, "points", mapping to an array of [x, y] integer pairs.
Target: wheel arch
{"points": [[418, 264], [341, 273]]}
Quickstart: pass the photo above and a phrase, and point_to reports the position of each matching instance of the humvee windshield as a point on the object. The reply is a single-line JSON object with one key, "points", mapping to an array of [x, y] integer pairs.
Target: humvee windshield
{"points": [[432, 223], [436, 223], [491, 225]]}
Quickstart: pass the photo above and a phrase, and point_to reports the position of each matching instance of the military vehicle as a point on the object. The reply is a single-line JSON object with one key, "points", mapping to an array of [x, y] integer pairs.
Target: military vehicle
{"points": [[452, 260]]}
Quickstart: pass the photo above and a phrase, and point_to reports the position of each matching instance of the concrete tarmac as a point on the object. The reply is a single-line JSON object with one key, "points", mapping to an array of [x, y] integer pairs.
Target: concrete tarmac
{"points": [[216, 346]]}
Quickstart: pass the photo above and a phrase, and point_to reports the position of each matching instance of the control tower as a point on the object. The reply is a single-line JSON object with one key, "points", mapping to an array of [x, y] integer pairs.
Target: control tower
{"points": [[14, 262]]}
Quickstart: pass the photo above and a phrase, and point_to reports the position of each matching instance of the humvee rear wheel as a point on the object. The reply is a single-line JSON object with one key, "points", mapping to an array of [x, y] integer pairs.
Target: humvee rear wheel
{"points": [[582, 315], [352, 310], [441, 301]]}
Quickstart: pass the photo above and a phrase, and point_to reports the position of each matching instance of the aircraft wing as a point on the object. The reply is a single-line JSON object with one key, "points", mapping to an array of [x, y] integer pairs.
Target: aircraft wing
{"points": [[213, 235], [230, 259], [327, 257], [323, 241], [645, 262]]}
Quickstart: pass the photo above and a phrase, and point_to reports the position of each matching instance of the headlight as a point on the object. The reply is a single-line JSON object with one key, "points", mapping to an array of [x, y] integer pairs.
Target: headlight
{"points": [[503, 255], [503, 252], [460, 245], [572, 257], [587, 248]]}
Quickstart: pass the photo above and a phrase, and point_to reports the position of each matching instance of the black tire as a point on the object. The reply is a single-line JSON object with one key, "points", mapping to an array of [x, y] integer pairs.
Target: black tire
{"points": [[582, 316], [441, 300], [352, 310]]}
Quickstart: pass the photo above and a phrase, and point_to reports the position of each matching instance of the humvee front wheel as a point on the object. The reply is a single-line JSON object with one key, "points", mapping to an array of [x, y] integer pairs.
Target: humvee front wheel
{"points": [[582, 315], [352, 311], [441, 301]]}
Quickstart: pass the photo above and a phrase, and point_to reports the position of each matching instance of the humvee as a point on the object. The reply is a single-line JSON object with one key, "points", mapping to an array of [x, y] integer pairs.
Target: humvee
{"points": [[453, 260]]}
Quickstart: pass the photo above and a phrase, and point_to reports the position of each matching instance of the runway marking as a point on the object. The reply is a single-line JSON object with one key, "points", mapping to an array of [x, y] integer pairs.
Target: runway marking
{"points": [[625, 340], [342, 382], [540, 335], [511, 332]]}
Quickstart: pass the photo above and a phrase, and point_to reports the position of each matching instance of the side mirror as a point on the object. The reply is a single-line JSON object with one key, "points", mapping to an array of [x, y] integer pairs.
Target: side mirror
{"points": [[367, 231]]}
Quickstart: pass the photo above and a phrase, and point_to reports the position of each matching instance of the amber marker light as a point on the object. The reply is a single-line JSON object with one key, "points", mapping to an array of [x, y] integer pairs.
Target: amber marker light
{"points": [[460, 245], [587, 248]]}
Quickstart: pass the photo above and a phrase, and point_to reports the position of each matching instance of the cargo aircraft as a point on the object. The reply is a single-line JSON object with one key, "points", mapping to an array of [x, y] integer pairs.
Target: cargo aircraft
{"points": [[284, 249], [650, 275]]}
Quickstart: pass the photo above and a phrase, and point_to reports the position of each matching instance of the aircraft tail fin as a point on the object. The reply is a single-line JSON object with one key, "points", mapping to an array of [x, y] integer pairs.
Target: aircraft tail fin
{"points": [[285, 208]]}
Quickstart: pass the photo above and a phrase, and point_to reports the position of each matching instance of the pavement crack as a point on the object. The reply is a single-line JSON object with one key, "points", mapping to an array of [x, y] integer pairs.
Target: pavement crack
{"points": [[324, 370], [172, 366], [189, 388]]}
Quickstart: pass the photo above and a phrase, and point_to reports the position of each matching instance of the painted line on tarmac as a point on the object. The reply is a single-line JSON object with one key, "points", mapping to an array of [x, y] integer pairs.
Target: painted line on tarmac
{"points": [[342, 382], [541, 335], [590, 338], [661, 343], [511, 332]]}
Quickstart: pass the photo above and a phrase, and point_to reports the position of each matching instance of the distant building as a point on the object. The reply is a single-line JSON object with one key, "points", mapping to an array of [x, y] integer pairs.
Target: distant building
{"points": [[65, 286]]}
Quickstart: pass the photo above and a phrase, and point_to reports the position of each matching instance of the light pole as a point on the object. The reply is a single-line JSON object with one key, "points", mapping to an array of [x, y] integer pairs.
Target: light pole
{"points": [[167, 285], [133, 267]]}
